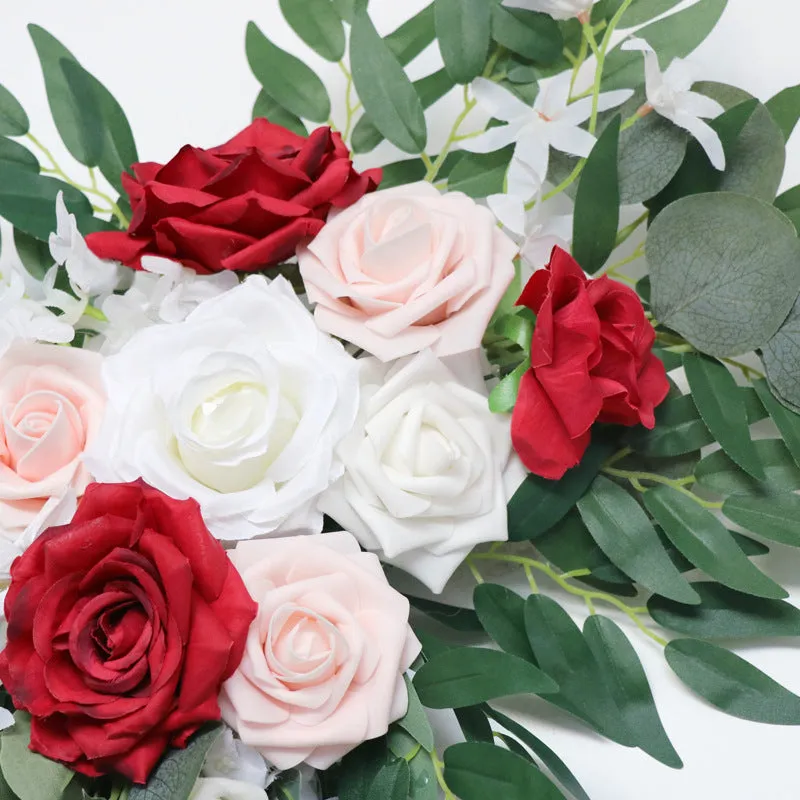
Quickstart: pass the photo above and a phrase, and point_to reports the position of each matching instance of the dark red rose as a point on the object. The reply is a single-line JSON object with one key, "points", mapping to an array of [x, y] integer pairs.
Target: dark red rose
{"points": [[591, 361], [122, 626], [244, 205]]}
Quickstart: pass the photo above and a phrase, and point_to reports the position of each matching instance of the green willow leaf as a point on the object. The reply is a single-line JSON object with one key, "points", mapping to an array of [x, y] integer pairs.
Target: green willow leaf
{"points": [[266, 107], [319, 25], [399, 173], [732, 684], [726, 614], [502, 614], [474, 723], [750, 275], [15, 153], [476, 771], [679, 429], [594, 232], [626, 535], [785, 110], [705, 541], [464, 676], [13, 119], [723, 410], [775, 518], [415, 723], [385, 90], [551, 760], [644, 10], [480, 174], [786, 420], [285, 78], [413, 36], [459, 619], [87, 108], [720, 474], [33, 253], [562, 652], [530, 34], [463, 28], [424, 785], [538, 504], [626, 680]]}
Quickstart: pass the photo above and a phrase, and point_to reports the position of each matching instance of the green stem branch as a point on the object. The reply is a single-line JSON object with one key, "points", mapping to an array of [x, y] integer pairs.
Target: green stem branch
{"points": [[438, 767], [433, 169]]}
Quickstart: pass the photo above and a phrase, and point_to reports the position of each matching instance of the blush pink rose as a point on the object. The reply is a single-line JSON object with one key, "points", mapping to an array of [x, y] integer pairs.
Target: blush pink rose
{"points": [[324, 661], [406, 269], [51, 406]]}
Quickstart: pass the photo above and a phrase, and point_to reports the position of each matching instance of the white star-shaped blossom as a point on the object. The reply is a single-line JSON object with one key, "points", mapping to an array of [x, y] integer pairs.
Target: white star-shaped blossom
{"points": [[669, 94], [558, 9], [552, 122]]}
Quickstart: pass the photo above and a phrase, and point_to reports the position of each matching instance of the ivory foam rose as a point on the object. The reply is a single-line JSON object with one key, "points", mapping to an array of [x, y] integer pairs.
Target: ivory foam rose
{"points": [[323, 666], [239, 406], [428, 467], [51, 408], [406, 269]]}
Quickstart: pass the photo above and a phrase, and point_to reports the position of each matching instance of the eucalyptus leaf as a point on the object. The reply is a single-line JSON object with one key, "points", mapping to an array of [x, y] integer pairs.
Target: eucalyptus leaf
{"points": [[719, 474], [675, 36], [538, 504], [29, 775], [176, 773], [319, 25], [596, 219], [625, 678], [465, 676], [786, 420], [775, 518], [502, 614], [15, 153], [627, 536], [732, 684], [383, 87], [285, 78], [725, 271], [723, 410], [726, 614], [476, 771], [781, 356], [463, 28], [13, 119], [705, 541], [551, 760], [266, 107], [785, 110]]}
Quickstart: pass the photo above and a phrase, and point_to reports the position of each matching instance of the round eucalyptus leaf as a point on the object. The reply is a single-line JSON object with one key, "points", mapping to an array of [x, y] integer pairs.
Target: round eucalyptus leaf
{"points": [[725, 271], [781, 356]]}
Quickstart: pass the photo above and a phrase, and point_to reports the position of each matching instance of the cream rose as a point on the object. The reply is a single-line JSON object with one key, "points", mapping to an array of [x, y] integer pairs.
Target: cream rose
{"points": [[51, 408], [323, 666], [428, 468], [406, 269]]}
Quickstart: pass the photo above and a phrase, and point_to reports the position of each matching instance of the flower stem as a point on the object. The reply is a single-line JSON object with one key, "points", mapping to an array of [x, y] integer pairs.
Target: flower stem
{"points": [[351, 109], [469, 104], [746, 370], [678, 484], [56, 170], [588, 596], [438, 770], [629, 230], [578, 63]]}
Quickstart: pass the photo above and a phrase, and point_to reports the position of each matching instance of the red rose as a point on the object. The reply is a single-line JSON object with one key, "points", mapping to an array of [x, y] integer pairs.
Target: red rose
{"points": [[591, 361], [122, 625], [244, 205]]}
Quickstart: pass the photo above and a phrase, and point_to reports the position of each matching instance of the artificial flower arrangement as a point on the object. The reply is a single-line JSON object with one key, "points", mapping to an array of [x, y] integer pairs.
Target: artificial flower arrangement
{"points": [[264, 405]]}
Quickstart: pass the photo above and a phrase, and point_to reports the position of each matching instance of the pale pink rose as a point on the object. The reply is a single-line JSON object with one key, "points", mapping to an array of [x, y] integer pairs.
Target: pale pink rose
{"points": [[51, 406], [406, 269], [323, 667]]}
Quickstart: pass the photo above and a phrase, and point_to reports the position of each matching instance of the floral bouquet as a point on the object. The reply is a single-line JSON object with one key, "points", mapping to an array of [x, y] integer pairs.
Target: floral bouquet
{"points": [[265, 414]]}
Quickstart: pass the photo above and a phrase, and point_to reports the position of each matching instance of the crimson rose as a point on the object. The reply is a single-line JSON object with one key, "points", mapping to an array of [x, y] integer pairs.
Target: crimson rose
{"points": [[591, 361], [122, 625], [244, 205]]}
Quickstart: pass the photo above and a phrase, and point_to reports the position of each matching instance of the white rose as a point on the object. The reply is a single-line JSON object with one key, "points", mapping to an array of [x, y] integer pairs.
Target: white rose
{"points": [[226, 789], [424, 467], [240, 407]]}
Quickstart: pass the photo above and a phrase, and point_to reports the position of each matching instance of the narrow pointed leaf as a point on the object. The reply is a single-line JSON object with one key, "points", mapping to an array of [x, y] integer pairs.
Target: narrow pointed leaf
{"points": [[732, 684], [480, 174], [533, 35], [476, 771], [13, 119], [463, 28], [285, 78], [502, 614], [415, 723], [723, 410], [464, 676], [679, 429], [627, 682], [726, 614], [474, 723], [786, 420], [776, 518], [87, 108], [318, 24], [413, 36], [455, 617], [785, 109], [625, 534], [705, 541], [561, 772], [33, 253], [720, 474], [15, 153], [424, 785], [562, 652], [594, 233], [344, 8], [385, 90], [266, 107], [644, 10]]}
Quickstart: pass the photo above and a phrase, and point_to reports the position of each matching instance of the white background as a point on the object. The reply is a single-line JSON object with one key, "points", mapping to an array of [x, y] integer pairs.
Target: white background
{"points": [[178, 69]]}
